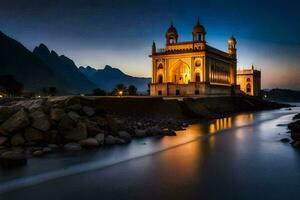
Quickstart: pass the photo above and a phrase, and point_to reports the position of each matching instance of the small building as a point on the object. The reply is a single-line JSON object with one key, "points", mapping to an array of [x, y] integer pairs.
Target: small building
{"points": [[249, 81], [193, 68]]}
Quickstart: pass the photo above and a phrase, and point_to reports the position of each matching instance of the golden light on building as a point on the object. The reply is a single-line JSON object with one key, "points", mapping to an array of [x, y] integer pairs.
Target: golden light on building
{"points": [[192, 67], [249, 81]]}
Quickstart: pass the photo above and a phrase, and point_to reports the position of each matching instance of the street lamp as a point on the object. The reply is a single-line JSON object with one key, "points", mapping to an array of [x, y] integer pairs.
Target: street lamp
{"points": [[120, 93]]}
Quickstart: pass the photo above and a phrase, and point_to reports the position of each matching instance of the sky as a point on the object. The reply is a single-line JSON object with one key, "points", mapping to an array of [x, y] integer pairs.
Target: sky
{"points": [[120, 33]]}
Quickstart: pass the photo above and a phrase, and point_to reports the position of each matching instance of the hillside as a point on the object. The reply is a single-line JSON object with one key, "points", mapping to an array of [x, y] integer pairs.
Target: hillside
{"points": [[66, 69], [28, 69], [108, 77]]}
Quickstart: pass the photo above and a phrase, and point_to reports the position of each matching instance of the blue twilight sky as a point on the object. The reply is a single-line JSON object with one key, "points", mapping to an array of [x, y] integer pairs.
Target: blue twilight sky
{"points": [[120, 33]]}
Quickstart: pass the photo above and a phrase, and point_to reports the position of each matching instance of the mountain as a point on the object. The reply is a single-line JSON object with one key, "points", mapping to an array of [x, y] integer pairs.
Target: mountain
{"points": [[109, 77], [65, 68], [281, 95], [28, 69]]}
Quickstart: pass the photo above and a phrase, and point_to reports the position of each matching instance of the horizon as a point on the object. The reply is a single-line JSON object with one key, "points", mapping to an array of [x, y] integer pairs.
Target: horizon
{"points": [[120, 34]]}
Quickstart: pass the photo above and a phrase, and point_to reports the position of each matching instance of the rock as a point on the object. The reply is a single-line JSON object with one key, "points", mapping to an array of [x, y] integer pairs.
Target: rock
{"points": [[33, 135], [115, 125], [2, 140], [88, 111], [140, 133], [285, 140], [110, 140], [73, 115], [32, 105], [296, 144], [76, 134], [169, 132], [89, 142], [154, 131], [124, 135], [57, 114], [38, 153], [75, 107], [101, 121], [47, 150], [139, 124], [100, 138], [72, 147], [6, 112], [11, 159], [297, 116], [53, 136], [66, 123], [16, 122], [121, 141], [17, 140], [92, 128], [295, 130], [40, 120]]}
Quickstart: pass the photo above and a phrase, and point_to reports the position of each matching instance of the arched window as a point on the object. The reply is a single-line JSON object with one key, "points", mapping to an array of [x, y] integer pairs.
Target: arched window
{"points": [[248, 79], [160, 79], [248, 87], [160, 66], [197, 77]]}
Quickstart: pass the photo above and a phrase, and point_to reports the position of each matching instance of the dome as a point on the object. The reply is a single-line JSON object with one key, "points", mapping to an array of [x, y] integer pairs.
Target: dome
{"points": [[172, 31], [198, 29], [232, 41]]}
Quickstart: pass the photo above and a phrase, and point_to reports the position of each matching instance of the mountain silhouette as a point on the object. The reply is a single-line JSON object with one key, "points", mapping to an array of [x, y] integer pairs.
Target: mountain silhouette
{"points": [[109, 77], [32, 72], [65, 68]]}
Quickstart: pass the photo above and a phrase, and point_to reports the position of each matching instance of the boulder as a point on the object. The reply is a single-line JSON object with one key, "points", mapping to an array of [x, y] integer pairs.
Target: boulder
{"points": [[121, 141], [154, 131], [295, 130], [76, 134], [89, 142], [32, 105], [110, 140], [285, 140], [169, 132], [6, 112], [101, 121], [38, 153], [33, 135], [47, 150], [100, 138], [2, 140], [73, 115], [72, 146], [92, 128], [66, 123], [140, 133], [16, 122], [124, 135], [115, 125], [88, 111], [40, 120], [17, 140], [13, 158], [75, 107], [57, 114]]}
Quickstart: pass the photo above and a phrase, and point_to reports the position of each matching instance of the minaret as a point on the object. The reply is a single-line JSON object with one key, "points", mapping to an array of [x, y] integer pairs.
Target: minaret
{"points": [[153, 48], [231, 47]]}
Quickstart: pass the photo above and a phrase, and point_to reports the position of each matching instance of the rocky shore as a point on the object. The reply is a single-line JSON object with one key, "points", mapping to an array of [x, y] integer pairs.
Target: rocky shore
{"points": [[41, 126], [295, 131]]}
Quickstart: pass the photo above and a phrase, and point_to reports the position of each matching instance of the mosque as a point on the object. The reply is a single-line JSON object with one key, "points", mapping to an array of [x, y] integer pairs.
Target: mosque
{"points": [[193, 68]]}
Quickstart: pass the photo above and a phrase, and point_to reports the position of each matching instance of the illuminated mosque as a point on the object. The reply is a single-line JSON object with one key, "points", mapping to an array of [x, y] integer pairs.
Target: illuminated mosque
{"points": [[193, 67]]}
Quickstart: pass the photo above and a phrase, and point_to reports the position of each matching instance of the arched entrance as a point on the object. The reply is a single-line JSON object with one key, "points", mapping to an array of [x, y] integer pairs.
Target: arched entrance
{"points": [[180, 73]]}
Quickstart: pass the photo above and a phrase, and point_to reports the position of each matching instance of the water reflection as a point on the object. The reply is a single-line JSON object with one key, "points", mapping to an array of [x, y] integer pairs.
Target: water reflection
{"points": [[228, 122]]}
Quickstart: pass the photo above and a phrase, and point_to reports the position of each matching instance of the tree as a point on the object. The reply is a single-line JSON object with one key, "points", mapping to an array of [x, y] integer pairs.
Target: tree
{"points": [[132, 90], [99, 92], [10, 86], [120, 89]]}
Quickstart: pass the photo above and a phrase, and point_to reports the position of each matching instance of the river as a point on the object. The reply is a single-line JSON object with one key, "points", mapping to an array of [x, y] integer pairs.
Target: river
{"points": [[237, 157]]}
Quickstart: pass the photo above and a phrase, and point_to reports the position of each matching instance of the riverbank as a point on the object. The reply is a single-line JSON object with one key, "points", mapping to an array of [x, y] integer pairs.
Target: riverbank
{"points": [[41, 126]]}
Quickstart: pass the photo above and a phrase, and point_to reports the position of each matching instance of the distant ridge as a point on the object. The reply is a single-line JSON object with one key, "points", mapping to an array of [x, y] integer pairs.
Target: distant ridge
{"points": [[108, 77], [27, 68], [65, 68]]}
